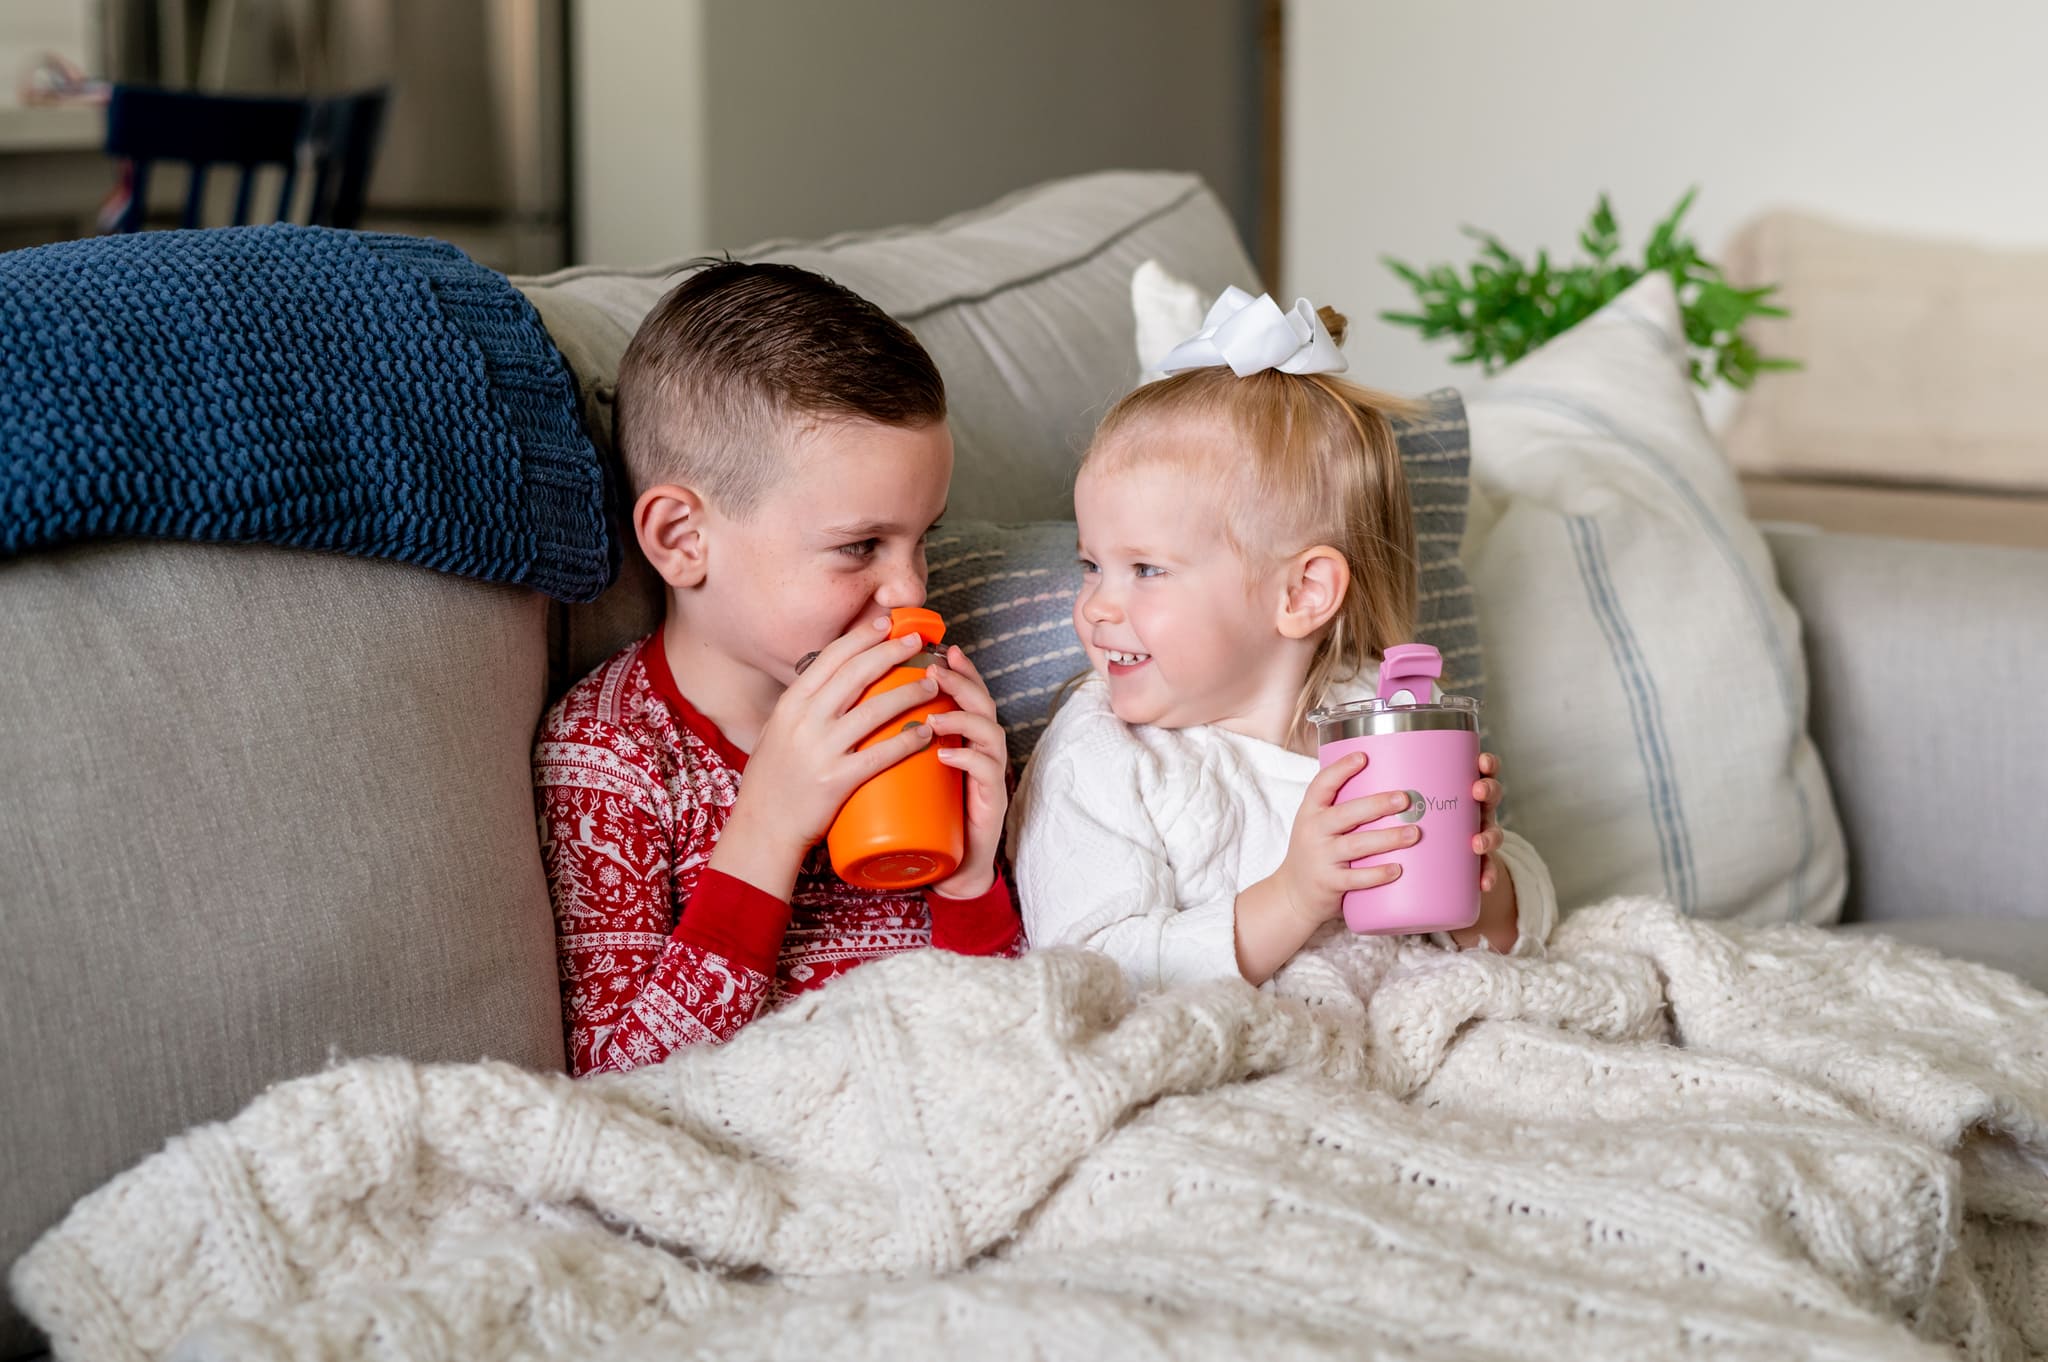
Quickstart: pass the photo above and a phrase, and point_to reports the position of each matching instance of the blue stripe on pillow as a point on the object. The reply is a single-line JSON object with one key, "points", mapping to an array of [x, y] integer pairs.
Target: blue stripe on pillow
{"points": [[1674, 841]]}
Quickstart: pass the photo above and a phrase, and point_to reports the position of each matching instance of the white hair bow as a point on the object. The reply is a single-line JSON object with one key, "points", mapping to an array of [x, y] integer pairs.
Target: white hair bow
{"points": [[1251, 334]]}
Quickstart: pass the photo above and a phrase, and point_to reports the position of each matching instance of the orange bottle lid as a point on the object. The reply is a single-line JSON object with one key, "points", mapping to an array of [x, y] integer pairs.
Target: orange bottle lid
{"points": [[915, 619]]}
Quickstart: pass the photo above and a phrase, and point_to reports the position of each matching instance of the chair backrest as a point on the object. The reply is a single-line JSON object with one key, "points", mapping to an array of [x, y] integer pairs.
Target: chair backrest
{"points": [[338, 134], [344, 131]]}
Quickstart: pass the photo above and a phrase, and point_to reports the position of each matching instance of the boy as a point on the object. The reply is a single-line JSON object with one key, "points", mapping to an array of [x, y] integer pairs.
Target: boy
{"points": [[790, 445]]}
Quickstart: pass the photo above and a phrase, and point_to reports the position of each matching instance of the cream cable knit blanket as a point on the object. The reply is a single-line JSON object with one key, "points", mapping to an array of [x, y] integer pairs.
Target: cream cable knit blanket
{"points": [[1665, 1141]]}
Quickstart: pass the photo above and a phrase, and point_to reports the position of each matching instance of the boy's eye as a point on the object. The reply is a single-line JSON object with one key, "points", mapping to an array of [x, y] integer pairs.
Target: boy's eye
{"points": [[1086, 566], [1148, 570], [864, 549]]}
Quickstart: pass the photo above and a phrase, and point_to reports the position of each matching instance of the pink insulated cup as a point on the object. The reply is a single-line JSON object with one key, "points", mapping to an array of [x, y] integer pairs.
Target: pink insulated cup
{"points": [[1431, 750]]}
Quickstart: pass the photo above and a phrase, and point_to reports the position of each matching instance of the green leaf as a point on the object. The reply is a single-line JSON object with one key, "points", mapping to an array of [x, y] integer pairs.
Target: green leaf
{"points": [[1407, 272], [1684, 204], [1601, 237], [1667, 248], [1720, 307], [1490, 245]]}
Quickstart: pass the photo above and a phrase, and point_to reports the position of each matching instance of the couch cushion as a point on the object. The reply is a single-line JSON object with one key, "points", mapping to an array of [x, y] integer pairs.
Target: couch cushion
{"points": [[261, 806], [1926, 666], [1023, 304], [2016, 945], [1648, 695], [1920, 358]]}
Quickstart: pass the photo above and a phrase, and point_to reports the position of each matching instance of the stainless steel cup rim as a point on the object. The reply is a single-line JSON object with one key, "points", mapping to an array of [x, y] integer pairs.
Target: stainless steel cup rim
{"points": [[931, 655], [1373, 716]]}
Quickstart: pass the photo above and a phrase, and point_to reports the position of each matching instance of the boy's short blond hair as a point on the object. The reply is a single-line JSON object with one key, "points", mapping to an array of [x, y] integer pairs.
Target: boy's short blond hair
{"points": [[738, 357]]}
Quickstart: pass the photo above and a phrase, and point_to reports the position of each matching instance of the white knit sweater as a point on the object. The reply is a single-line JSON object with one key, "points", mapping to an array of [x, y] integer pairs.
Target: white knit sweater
{"points": [[1136, 841]]}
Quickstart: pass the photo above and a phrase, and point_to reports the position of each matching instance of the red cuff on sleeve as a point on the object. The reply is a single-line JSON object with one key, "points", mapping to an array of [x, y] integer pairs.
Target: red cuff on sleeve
{"points": [[734, 919], [979, 926]]}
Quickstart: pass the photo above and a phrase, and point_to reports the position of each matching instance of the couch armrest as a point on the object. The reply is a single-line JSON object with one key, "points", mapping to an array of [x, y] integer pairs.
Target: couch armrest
{"points": [[1928, 662]]}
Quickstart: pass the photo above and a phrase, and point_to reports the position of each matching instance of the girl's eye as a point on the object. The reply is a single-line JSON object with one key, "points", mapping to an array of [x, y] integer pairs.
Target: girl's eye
{"points": [[864, 549], [1148, 570]]}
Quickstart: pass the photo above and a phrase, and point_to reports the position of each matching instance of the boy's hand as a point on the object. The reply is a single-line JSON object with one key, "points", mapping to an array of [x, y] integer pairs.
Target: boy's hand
{"points": [[1499, 917], [1277, 916], [983, 757], [805, 765]]}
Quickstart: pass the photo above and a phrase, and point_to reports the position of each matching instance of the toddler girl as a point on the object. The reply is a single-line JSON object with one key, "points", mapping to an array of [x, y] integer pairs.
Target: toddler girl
{"points": [[1247, 553]]}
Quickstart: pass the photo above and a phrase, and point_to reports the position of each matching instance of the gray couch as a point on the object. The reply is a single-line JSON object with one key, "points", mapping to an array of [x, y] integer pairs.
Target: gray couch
{"points": [[264, 807]]}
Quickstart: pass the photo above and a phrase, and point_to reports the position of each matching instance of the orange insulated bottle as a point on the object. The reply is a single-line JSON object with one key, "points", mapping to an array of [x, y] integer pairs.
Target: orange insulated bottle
{"points": [[904, 827]]}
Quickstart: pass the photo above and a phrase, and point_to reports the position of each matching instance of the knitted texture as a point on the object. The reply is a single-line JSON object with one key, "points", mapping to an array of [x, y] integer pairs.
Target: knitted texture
{"points": [[366, 393], [1665, 1141]]}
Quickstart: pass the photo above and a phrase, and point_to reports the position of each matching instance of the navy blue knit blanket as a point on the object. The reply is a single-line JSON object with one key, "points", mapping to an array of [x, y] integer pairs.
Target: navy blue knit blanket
{"points": [[353, 391]]}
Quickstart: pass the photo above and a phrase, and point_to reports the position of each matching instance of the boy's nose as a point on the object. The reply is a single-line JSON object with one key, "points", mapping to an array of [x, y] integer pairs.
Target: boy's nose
{"points": [[1098, 608], [905, 588]]}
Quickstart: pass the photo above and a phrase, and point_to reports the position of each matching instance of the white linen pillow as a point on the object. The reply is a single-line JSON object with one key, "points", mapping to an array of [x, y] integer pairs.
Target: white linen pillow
{"points": [[1648, 696]]}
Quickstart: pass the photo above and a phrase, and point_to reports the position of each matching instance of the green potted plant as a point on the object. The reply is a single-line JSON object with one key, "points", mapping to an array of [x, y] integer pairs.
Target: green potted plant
{"points": [[1502, 307]]}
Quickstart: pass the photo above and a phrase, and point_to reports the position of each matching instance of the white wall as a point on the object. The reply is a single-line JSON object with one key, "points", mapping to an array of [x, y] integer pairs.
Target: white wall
{"points": [[1405, 120]]}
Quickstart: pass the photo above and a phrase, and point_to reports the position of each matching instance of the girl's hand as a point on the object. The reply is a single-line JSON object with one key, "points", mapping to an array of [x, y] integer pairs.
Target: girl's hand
{"points": [[1275, 917], [983, 756], [1498, 915], [1328, 836]]}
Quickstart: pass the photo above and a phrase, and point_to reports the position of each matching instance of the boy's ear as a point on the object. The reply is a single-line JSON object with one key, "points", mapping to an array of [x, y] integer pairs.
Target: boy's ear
{"points": [[1312, 591], [669, 522]]}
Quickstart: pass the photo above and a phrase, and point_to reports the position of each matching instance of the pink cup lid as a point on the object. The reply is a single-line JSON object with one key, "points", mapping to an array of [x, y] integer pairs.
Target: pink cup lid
{"points": [[1412, 668], [1407, 677]]}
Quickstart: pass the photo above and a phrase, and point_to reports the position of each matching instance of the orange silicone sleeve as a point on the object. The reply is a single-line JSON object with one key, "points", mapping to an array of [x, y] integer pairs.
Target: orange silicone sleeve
{"points": [[904, 827]]}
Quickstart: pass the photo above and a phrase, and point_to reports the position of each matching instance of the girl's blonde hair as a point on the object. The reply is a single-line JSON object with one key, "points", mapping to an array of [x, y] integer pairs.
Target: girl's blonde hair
{"points": [[1318, 464]]}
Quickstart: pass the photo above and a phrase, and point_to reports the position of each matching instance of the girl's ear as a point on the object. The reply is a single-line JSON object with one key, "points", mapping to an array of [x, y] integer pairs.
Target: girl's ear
{"points": [[669, 522], [1314, 590]]}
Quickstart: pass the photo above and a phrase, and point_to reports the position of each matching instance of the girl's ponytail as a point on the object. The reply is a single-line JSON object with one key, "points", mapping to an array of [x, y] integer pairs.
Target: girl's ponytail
{"points": [[1373, 520]]}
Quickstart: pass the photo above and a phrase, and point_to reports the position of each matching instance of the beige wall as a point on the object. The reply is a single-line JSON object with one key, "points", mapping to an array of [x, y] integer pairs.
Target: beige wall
{"points": [[716, 123], [1405, 120]]}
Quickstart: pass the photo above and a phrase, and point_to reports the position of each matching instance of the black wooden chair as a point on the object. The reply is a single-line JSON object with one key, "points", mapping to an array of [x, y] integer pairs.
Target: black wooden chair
{"points": [[336, 134]]}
